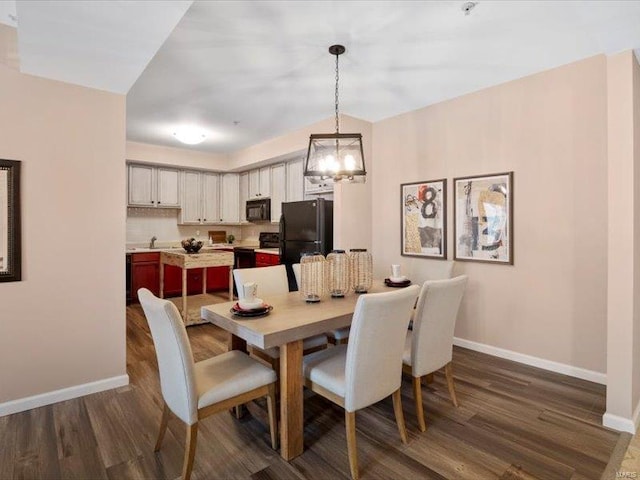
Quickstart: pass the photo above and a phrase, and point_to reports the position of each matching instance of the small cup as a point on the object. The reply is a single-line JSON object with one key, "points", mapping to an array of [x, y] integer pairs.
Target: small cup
{"points": [[395, 271], [250, 291]]}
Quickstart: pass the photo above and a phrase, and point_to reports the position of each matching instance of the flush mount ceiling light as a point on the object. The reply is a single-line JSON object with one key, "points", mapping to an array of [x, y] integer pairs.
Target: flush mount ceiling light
{"points": [[190, 135], [336, 156]]}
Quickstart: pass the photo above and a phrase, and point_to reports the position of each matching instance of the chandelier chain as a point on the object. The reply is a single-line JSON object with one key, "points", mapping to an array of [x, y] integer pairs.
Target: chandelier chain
{"points": [[337, 107]]}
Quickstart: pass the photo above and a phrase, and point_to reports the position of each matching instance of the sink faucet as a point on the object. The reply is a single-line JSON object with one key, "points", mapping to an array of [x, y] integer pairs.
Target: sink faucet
{"points": [[152, 244]]}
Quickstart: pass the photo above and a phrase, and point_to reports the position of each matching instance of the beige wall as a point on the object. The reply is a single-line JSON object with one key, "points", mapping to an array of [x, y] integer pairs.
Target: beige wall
{"points": [[621, 251], [635, 402], [64, 324], [550, 129], [181, 157]]}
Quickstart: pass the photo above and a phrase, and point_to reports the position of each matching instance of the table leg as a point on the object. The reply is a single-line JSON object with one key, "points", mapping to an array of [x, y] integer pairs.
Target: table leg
{"points": [[291, 398], [184, 294], [204, 280], [161, 280], [236, 343]]}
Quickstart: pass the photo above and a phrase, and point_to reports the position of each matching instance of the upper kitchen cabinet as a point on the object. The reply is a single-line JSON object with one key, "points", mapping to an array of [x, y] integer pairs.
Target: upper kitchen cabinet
{"points": [[260, 182], [230, 198], [325, 186], [201, 198], [244, 195], [295, 181], [151, 186], [278, 190]]}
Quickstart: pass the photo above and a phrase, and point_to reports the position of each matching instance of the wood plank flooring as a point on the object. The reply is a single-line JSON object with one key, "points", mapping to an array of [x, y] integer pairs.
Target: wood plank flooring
{"points": [[514, 422]]}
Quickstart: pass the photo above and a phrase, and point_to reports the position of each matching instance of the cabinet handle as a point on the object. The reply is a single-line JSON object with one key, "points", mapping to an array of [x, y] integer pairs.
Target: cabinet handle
{"points": [[204, 219], [152, 201], [158, 202], [198, 219]]}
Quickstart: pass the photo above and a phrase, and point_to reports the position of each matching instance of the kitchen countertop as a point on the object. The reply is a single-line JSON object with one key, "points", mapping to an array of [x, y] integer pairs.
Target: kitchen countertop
{"points": [[271, 251], [219, 246]]}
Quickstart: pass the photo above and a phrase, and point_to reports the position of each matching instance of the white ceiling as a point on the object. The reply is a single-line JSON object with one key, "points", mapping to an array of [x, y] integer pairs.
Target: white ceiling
{"points": [[265, 64]]}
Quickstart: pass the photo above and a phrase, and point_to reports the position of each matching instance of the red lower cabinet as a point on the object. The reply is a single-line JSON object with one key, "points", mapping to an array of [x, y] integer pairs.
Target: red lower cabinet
{"points": [[267, 259], [145, 273], [217, 279]]}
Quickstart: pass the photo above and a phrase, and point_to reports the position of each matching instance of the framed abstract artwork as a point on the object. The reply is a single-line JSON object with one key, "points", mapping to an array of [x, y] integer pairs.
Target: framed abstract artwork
{"points": [[483, 212], [424, 219], [10, 243]]}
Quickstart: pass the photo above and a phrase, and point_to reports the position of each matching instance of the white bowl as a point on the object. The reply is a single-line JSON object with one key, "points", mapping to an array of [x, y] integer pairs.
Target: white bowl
{"points": [[249, 305], [398, 279]]}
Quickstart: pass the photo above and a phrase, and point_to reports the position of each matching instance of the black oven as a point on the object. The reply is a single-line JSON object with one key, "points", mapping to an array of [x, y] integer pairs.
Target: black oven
{"points": [[259, 210]]}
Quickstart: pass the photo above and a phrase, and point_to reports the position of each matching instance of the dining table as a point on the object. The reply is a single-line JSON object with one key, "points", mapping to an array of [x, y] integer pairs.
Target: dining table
{"points": [[290, 321]]}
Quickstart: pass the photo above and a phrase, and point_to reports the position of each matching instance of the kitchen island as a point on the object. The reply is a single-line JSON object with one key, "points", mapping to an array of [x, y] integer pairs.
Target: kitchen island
{"points": [[186, 261]]}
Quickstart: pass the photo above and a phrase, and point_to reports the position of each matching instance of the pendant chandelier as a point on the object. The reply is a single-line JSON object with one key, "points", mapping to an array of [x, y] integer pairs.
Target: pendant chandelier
{"points": [[336, 156]]}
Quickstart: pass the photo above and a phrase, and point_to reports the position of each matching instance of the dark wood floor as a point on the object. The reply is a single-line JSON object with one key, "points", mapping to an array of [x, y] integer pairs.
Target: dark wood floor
{"points": [[514, 422]]}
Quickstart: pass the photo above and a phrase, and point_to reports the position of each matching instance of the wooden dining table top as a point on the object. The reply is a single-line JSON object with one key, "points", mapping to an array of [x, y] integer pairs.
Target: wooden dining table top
{"points": [[291, 318]]}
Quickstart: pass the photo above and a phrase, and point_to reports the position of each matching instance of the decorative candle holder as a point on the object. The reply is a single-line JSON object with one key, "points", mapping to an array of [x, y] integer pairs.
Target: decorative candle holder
{"points": [[312, 277], [338, 277], [361, 265]]}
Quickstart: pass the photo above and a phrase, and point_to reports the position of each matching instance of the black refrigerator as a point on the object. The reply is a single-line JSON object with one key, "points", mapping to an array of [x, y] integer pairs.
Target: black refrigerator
{"points": [[305, 227]]}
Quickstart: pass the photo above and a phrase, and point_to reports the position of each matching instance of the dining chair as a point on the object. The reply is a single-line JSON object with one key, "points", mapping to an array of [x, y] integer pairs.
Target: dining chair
{"points": [[429, 346], [195, 390], [272, 281], [335, 337], [369, 368]]}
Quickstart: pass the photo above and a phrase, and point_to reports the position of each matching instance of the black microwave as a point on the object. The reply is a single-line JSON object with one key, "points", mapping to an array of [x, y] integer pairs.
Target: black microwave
{"points": [[259, 210]]}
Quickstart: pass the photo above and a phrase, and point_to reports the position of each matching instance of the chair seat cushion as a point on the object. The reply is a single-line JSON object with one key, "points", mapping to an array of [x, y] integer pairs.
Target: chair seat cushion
{"points": [[340, 333], [327, 368], [232, 373], [307, 344], [406, 355]]}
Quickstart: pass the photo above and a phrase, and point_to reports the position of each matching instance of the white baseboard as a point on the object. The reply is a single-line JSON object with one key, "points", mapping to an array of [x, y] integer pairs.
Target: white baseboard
{"points": [[35, 401], [623, 424], [557, 367]]}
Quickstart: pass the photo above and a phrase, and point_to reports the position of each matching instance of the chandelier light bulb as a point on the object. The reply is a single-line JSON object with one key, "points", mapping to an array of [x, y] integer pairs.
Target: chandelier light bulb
{"points": [[349, 163]]}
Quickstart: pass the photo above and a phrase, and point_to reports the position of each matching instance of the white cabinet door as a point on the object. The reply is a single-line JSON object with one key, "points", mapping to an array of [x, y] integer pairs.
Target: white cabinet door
{"points": [[211, 198], [168, 191], [141, 183], [254, 184], [265, 182], [295, 181], [279, 190], [191, 198], [244, 195], [230, 197], [315, 188]]}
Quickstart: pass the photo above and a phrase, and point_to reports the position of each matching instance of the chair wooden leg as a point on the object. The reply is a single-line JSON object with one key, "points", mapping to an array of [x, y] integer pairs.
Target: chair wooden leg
{"points": [[417, 395], [163, 427], [190, 451], [397, 408], [350, 421], [273, 421], [448, 372]]}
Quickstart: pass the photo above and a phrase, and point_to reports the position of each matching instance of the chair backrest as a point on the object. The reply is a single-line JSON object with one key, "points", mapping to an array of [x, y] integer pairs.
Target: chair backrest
{"points": [[376, 343], [175, 360], [434, 323], [271, 280], [297, 272]]}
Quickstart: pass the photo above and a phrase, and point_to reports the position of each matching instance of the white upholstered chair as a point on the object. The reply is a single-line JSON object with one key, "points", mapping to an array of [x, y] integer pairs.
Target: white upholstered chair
{"points": [[272, 281], [193, 391], [369, 368], [337, 336], [429, 346]]}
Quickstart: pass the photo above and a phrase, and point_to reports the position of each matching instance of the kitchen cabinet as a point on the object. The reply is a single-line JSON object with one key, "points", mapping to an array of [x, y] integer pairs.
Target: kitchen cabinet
{"points": [[230, 198], [267, 259], [151, 186], [201, 198], [260, 182], [217, 279], [145, 273], [295, 181], [278, 190], [244, 195], [325, 186]]}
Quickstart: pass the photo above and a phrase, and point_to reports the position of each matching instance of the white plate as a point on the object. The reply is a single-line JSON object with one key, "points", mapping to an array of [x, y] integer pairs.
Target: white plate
{"points": [[256, 303], [398, 279]]}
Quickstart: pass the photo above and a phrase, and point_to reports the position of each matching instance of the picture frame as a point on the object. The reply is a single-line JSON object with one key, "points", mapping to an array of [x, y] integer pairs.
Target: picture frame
{"points": [[483, 218], [10, 230], [424, 219]]}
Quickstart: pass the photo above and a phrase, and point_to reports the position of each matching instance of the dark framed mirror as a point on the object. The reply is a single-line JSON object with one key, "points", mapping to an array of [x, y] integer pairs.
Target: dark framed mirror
{"points": [[10, 239]]}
